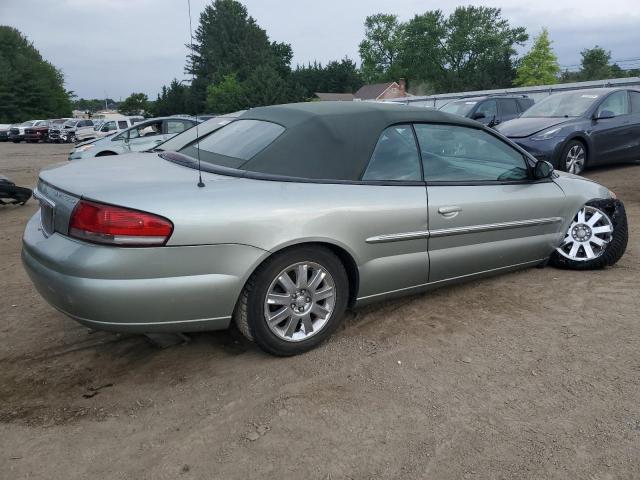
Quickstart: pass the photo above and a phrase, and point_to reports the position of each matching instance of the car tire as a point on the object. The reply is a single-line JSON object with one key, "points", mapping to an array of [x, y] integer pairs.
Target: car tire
{"points": [[614, 215], [289, 336], [105, 154], [573, 158]]}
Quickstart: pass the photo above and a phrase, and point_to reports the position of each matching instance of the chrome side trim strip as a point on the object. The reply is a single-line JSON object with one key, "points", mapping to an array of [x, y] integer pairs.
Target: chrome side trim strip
{"points": [[445, 232], [397, 237], [451, 279]]}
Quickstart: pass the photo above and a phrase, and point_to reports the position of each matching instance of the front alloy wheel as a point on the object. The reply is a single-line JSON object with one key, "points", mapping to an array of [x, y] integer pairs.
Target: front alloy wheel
{"points": [[596, 238], [588, 235], [575, 158]]}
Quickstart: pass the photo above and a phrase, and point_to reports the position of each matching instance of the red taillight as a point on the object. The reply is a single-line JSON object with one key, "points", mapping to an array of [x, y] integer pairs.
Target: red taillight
{"points": [[100, 223]]}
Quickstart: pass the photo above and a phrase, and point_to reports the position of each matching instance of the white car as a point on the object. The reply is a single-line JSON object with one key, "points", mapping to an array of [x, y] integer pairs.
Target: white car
{"points": [[142, 136]]}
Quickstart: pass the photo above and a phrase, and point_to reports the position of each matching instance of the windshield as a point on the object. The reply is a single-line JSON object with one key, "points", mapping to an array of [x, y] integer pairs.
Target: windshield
{"points": [[563, 105], [189, 135], [460, 107], [27, 124], [70, 123], [235, 144]]}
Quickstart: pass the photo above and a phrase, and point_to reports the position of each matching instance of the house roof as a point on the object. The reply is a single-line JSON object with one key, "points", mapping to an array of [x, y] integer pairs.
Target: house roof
{"points": [[330, 97], [372, 91]]}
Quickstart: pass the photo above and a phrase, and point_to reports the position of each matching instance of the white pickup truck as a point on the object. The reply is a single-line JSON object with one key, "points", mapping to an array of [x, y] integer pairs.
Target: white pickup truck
{"points": [[103, 128]]}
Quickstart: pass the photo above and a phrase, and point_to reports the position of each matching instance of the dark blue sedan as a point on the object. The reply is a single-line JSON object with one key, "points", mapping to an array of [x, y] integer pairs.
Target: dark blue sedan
{"points": [[573, 130]]}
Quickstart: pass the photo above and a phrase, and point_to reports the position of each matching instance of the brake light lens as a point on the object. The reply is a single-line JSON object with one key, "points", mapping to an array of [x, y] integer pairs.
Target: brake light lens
{"points": [[106, 224]]}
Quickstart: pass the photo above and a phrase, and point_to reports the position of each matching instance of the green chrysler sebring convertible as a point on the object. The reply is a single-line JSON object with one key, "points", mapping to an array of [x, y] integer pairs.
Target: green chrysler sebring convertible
{"points": [[288, 215]]}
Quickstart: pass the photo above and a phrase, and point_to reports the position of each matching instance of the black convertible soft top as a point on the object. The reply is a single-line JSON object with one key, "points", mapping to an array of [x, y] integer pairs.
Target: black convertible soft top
{"points": [[332, 140]]}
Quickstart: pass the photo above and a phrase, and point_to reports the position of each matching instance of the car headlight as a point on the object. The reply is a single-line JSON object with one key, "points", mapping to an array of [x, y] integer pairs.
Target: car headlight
{"points": [[547, 134], [84, 148]]}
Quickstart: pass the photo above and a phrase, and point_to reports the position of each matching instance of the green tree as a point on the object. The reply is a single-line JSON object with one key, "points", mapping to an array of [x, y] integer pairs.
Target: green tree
{"points": [[336, 77], [229, 42], [173, 99], [473, 48], [381, 47], [30, 87], [540, 65], [422, 52], [226, 97], [134, 104], [595, 64], [479, 49]]}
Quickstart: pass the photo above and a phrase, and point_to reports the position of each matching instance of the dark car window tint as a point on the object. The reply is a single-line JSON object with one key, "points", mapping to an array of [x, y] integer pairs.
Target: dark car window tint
{"points": [[460, 154], [395, 156], [489, 109], [239, 140], [509, 108], [635, 102], [617, 103], [122, 124]]}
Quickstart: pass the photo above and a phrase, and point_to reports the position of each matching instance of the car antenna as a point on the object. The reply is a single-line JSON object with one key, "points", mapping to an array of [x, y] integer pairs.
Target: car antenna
{"points": [[193, 75]]}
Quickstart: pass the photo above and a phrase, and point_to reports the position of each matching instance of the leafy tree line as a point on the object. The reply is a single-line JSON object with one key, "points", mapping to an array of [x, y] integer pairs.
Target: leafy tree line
{"points": [[235, 65], [30, 87]]}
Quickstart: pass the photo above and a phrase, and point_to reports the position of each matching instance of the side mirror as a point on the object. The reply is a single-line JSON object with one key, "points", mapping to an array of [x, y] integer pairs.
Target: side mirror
{"points": [[604, 114], [478, 116], [543, 169]]}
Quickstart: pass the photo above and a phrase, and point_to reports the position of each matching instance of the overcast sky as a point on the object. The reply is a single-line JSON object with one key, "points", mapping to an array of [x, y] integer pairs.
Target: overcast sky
{"points": [[121, 46]]}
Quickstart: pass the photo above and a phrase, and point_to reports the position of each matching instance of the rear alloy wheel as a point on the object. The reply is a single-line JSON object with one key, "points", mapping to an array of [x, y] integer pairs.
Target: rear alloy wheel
{"points": [[294, 301], [594, 239], [574, 158]]}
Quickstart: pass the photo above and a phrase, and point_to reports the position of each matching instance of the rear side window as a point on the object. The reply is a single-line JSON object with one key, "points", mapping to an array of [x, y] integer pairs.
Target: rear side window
{"points": [[238, 141], [489, 108], [635, 102], [459, 154], [395, 156], [122, 124], [509, 108]]}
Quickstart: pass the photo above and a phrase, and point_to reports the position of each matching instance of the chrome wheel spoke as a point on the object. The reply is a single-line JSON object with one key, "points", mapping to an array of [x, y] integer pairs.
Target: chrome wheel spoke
{"points": [[603, 229], [319, 310], [598, 241], [594, 218], [279, 316], [574, 249], [302, 275], [324, 293], [316, 280], [581, 216], [278, 299], [287, 283], [307, 324], [588, 250], [291, 326]]}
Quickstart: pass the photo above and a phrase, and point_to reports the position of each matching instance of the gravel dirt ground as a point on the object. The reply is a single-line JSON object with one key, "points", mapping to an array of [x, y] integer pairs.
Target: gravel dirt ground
{"points": [[531, 375]]}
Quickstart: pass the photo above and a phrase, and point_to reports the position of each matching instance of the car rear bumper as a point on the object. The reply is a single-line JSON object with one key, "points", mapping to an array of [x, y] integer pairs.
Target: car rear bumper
{"points": [[138, 290]]}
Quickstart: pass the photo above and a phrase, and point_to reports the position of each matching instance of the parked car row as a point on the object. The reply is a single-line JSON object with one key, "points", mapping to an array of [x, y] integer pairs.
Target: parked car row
{"points": [[571, 130], [64, 130]]}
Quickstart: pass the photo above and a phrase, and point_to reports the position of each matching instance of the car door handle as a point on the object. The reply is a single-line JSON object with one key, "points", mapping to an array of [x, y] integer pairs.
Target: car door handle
{"points": [[449, 212]]}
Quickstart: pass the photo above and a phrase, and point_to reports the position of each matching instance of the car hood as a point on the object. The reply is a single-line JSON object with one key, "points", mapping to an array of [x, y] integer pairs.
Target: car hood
{"points": [[524, 127]]}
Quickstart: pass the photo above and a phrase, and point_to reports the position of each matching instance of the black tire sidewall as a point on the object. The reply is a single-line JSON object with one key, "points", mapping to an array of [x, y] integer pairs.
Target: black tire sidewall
{"points": [[258, 327]]}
